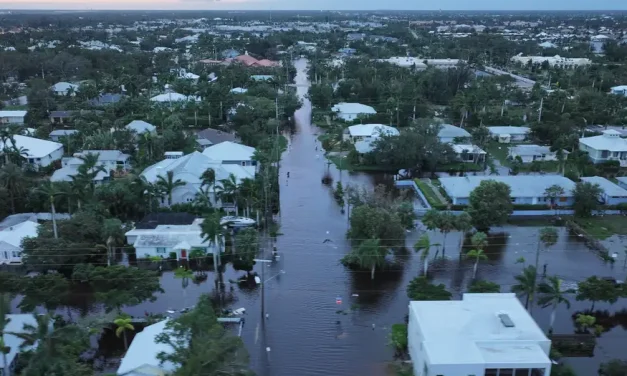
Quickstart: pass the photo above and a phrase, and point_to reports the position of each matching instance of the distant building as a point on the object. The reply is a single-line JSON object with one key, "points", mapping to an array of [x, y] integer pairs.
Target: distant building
{"points": [[110, 160], [469, 153], [482, 335], [619, 90], [12, 117], [363, 135], [532, 153], [64, 88], [352, 111], [215, 136], [525, 189], [141, 127], [61, 117], [57, 134], [612, 193], [607, 147], [105, 99], [174, 98], [230, 54], [554, 61], [355, 36], [37, 152], [508, 134], [347, 51], [448, 134]]}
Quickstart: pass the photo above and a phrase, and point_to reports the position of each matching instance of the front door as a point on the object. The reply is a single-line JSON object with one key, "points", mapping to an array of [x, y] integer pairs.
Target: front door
{"points": [[183, 253]]}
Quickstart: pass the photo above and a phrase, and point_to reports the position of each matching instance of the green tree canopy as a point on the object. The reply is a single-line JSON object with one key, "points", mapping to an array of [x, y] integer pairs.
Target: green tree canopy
{"points": [[420, 288], [490, 204]]}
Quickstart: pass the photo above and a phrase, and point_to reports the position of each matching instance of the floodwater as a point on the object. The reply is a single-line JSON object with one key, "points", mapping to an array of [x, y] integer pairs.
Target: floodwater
{"points": [[304, 334]]}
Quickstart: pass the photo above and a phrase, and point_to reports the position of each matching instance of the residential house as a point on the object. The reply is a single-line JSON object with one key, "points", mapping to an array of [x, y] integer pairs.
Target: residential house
{"points": [[482, 335], [525, 189], [38, 152], [469, 153], [61, 117], [622, 181], [262, 77], [189, 168], [106, 99], [554, 61], [607, 147], [347, 51], [13, 344], [508, 134], [612, 194], [208, 137], [164, 240], [141, 127], [141, 358], [110, 160], [352, 111], [382, 38], [11, 241], [619, 90], [532, 153], [230, 54], [57, 134], [449, 134], [232, 153], [174, 98], [64, 88], [239, 90], [12, 117], [363, 135]]}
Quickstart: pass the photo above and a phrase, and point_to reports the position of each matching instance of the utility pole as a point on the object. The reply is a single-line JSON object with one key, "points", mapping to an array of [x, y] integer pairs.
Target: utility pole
{"points": [[540, 111]]}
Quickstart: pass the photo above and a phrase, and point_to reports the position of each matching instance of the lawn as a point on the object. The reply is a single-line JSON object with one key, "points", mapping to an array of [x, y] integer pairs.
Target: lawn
{"points": [[499, 152], [426, 190], [605, 226], [345, 164]]}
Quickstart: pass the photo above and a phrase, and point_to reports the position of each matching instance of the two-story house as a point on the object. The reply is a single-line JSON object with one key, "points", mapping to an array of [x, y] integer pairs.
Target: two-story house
{"points": [[607, 147], [111, 160]]}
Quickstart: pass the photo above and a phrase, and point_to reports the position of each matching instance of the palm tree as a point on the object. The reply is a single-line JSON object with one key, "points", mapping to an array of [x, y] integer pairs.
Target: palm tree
{"points": [[526, 284], [167, 184], [371, 255], [476, 254], [123, 324], [247, 191], [212, 232], [5, 309], [89, 169], [551, 294], [12, 178], [228, 190], [202, 200], [463, 224], [50, 190], [424, 244], [208, 179]]}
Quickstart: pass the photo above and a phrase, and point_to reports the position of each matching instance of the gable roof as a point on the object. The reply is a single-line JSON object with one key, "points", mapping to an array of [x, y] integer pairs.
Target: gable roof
{"points": [[144, 349], [229, 151], [140, 126], [371, 130], [607, 186], [13, 235], [36, 148], [451, 131], [216, 136]]}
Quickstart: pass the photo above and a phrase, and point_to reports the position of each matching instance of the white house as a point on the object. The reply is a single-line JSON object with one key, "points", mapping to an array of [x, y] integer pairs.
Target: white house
{"points": [[11, 241], [482, 335], [58, 133], [140, 127], [141, 358], [612, 194], [38, 152], [363, 135], [232, 153], [508, 134], [619, 90], [12, 342], [351, 111], [564, 62], [63, 88], [531, 153], [174, 98], [12, 117], [469, 153], [165, 239], [607, 147], [448, 133], [111, 160], [189, 168]]}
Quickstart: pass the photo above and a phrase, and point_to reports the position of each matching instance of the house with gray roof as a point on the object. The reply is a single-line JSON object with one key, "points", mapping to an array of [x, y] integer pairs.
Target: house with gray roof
{"points": [[57, 134], [208, 137], [110, 160], [525, 189], [449, 133], [532, 153], [140, 127], [607, 147], [507, 134], [612, 193]]}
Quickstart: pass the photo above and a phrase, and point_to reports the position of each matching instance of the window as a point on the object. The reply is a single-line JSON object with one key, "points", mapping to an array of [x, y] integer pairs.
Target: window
{"points": [[15, 254], [537, 372], [491, 372], [522, 372], [506, 372], [161, 250]]}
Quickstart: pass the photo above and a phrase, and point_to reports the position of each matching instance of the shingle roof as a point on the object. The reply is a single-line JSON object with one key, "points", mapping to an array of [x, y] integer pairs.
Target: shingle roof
{"points": [[521, 185], [608, 187]]}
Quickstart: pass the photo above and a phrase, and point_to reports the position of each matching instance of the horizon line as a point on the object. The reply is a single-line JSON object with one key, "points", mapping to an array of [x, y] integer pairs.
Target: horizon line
{"points": [[308, 10]]}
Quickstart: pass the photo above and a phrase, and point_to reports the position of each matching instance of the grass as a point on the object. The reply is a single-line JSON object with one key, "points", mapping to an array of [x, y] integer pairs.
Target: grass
{"points": [[603, 227], [499, 152], [15, 108], [345, 164], [430, 195]]}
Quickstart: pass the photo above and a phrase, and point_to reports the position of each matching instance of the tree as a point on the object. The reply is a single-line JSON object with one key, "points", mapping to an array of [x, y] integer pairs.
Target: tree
{"points": [[50, 190], [228, 190], [490, 204], [212, 232], [548, 237], [444, 221], [420, 288], [208, 179], [5, 309], [526, 284], [553, 193], [246, 247], [586, 198], [479, 242], [123, 324], [13, 180], [370, 222], [615, 367], [551, 294], [424, 244], [597, 289], [201, 346], [47, 290], [167, 185], [463, 224], [478, 286], [370, 255]]}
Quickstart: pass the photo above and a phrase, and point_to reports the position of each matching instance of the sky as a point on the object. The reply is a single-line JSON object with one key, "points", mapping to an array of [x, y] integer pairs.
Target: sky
{"points": [[316, 5]]}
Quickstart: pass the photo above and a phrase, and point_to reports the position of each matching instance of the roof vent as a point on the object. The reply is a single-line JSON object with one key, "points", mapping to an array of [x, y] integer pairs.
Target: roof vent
{"points": [[506, 320]]}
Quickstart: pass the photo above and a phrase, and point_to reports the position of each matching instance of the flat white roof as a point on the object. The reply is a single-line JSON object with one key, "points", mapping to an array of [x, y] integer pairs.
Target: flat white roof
{"points": [[608, 187], [530, 150], [521, 185], [13, 235], [469, 331], [144, 349]]}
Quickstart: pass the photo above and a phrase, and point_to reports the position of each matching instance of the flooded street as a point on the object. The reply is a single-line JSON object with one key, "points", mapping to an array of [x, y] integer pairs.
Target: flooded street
{"points": [[305, 333]]}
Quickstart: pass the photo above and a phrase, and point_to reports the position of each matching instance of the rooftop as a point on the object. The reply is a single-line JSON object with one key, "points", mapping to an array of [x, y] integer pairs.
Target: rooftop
{"points": [[152, 220], [508, 130], [367, 130], [610, 140], [451, 131], [353, 108], [529, 150], [143, 351], [521, 185], [13, 235], [229, 151], [140, 126], [471, 330], [15, 325], [12, 113], [216, 136], [35, 147], [608, 187]]}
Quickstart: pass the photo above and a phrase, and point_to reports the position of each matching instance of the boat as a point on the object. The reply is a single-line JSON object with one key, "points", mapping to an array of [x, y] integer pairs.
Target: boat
{"points": [[233, 221]]}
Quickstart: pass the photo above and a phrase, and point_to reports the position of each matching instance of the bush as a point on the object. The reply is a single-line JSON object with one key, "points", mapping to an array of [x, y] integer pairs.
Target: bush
{"points": [[398, 337]]}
